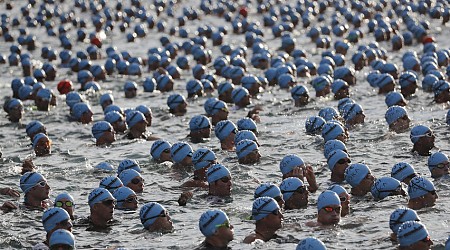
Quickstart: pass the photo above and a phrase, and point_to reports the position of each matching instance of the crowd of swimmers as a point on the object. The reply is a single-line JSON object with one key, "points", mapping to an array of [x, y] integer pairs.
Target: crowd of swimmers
{"points": [[332, 77]]}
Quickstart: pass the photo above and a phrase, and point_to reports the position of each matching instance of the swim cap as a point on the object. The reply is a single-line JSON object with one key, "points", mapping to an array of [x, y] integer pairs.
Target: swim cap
{"points": [[355, 173], [419, 186], [337, 85], [34, 126], [351, 110], [150, 212], [100, 127], [267, 189], [247, 124], [224, 86], [320, 82], [113, 116], [64, 196], [174, 100], [407, 78], [158, 147], [106, 97], [193, 86], [328, 113], [299, 90], [393, 98], [98, 195], [144, 110], [149, 84], [44, 94], [29, 180], [127, 175], [331, 130], [215, 107], [224, 128], [332, 145], [79, 109], [338, 189], [314, 124], [111, 183], [203, 157], [25, 92], [417, 132], [263, 206], [394, 113], [245, 134], [104, 166], [245, 147], [52, 217], [311, 243], [289, 162], [128, 164], [327, 198], [211, 220], [384, 186], [134, 117], [121, 194], [217, 171], [334, 157], [238, 93], [62, 237], [435, 159], [411, 232], [401, 215], [73, 98], [402, 170], [199, 122], [180, 150], [38, 137], [289, 185]]}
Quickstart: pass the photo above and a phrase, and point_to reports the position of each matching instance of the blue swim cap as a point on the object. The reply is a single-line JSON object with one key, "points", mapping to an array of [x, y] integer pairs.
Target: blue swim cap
{"points": [[121, 194], [52, 217], [174, 100], [338, 189], [224, 128], [289, 185], [149, 84], [25, 92], [238, 93], [393, 98], [410, 62], [203, 157], [337, 85], [267, 189], [351, 110], [44, 94], [210, 220], [394, 113], [215, 106], [384, 80], [314, 124], [98, 195], [245, 147], [106, 97], [289, 162], [38, 137], [298, 90], [127, 175], [334, 157], [332, 145], [79, 109], [384, 186], [129, 85], [435, 159], [162, 81], [111, 183], [401, 215], [355, 173], [419, 186], [427, 82], [134, 117], [158, 147], [144, 110], [199, 122], [64, 196], [328, 113], [100, 127], [92, 85], [113, 116], [128, 164], [12, 103], [106, 166], [263, 206], [440, 86], [245, 134], [73, 98], [193, 86], [180, 150], [84, 76], [311, 243], [247, 124], [417, 132], [327, 198], [331, 130], [411, 232], [62, 237], [320, 82], [407, 78], [29, 180], [402, 170], [217, 171], [224, 86], [150, 212]]}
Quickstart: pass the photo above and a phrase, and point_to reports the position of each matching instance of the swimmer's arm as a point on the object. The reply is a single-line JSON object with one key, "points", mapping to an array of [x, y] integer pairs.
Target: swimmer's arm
{"points": [[8, 206], [249, 239], [311, 178], [9, 191]]}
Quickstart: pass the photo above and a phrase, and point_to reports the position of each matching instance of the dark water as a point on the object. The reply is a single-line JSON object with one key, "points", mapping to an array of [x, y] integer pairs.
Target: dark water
{"points": [[70, 167]]}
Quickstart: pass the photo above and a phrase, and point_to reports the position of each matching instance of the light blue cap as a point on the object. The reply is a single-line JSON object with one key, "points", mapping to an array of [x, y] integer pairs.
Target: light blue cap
{"points": [[440, 86], [328, 113], [215, 106], [162, 81], [337, 85], [203, 157], [394, 113], [25, 92], [79, 109], [417, 132], [113, 107], [338, 189], [217, 171], [331, 130], [44, 94], [98, 195], [401, 215], [334, 157], [419, 186], [407, 78], [267, 189], [209, 221], [410, 62], [447, 244], [180, 150], [351, 110], [436, 159], [332, 145], [314, 124], [106, 166], [92, 85], [355, 173], [289, 185], [64, 195], [113, 116], [327, 198], [384, 186], [245, 147], [341, 72], [121, 194], [238, 93], [52, 217], [199, 122], [144, 109], [263, 206], [411, 232], [402, 170], [73, 98], [149, 84], [246, 124], [174, 100], [224, 128], [106, 97], [285, 80], [33, 126], [84, 75], [128, 164], [150, 212], [158, 147], [289, 162], [245, 134], [224, 86], [129, 85], [100, 127], [29, 180], [427, 82], [311, 243], [320, 82], [392, 98], [62, 237], [127, 175], [298, 90], [193, 86], [134, 117], [111, 183], [384, 79], [38, 137]]}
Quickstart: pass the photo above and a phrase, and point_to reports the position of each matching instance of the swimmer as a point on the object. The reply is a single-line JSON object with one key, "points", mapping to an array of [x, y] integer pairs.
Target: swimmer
{"points": [[328, 209], [422, 193], [132, 179], [413, 235], [225, 131], [217, 229], [35, 127], [397, 119], [343, 196], [293, 166], [160, 151], [66, 202], [126, 198], [53, 219], [14, 108], [398, 217], [295, 194], [423, 139], [36, 190], [101, 204], [403, 172], [386, 186], [117, 121], [338, 161], [202, 159], [181, 153], [103, 133], [62, 239], [360, 178], [270, 190], [177, 104], [155, 218], [42, 145], [247, 152], [82, 112], [219, 181], [438, 165], [200, 128]]}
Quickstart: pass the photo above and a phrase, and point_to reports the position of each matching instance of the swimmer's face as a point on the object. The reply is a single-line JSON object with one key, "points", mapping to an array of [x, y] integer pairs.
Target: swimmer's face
{"points": [[149, 118], [104, 209], [421, 244], [140, 127], [341, 165], [162, 224], [106, 104], [43, 147], [42, 104], [302, 101], [226, 232], [299, 198], [63, 202], [252, 157], [130, 93], [329, 215], [130, 202], [367, 183], [274, 221], [40, 191], [221, 187], [87, 117], [401, 124], [119, 126], [136, 184], [15, 114], [441, 170]]}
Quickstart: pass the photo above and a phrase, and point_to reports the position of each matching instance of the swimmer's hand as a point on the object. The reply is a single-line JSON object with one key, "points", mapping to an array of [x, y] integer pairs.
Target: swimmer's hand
{"points": [[27, 166], [254, 113], [185, 197], [8, 206], [311, 178], [9, 191]]}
